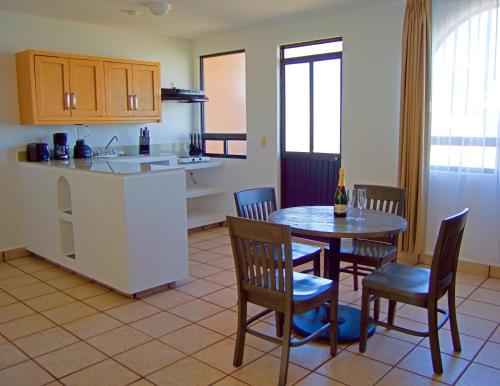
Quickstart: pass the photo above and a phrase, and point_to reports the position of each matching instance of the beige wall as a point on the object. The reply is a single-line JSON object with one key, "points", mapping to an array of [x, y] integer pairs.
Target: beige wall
{"points": [[370, 100], [21, 32]]}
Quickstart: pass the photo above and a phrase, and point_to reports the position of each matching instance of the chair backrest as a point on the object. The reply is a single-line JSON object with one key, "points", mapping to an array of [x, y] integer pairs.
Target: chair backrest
{"points": [[446, 252], [256, 204], [263, 259], [389, 199]]}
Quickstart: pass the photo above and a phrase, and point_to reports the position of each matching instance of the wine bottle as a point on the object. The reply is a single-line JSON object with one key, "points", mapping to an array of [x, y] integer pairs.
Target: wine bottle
{"points": [[340, 199]]}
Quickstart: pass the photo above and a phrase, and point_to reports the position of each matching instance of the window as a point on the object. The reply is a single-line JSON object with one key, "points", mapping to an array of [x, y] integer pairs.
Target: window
{"points": [[311, 76], [223, 117], [465, 92]]}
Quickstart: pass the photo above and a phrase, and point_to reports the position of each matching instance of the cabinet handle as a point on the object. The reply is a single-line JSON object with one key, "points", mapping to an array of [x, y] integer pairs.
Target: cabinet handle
{"points": [[136, 102], [130, 102], [67, 101], [73, 101]]}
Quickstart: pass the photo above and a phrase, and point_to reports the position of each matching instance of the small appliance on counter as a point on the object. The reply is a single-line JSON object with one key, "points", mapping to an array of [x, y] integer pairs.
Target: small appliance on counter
{"points": [[144, 141], [37, 152], [61, 148], [191, 160], [81, 150], [196, 145]]}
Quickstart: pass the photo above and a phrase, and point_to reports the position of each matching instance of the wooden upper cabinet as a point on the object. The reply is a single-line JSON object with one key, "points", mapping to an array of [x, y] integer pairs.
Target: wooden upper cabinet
{"points": [[86, 83], [146, 90], [52, 87], [57, 88], [119, 91]]}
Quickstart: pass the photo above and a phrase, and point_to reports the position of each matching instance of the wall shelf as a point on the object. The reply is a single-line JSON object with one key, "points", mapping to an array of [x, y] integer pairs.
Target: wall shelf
{"points": [[198, 218], [201, 191]]}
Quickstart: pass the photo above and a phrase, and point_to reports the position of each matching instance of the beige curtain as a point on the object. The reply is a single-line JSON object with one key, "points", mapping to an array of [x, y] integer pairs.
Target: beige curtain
{"points": [[414, 121]]}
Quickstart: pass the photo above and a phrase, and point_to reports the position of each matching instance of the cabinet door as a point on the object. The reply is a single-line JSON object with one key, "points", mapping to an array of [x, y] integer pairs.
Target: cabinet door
{"points": [[87, 86], [146, 90], [118, 85], [52, 87]]}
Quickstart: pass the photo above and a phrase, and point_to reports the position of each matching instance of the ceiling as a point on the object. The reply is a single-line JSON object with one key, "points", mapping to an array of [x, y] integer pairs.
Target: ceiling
{"points": [[187, 19]]}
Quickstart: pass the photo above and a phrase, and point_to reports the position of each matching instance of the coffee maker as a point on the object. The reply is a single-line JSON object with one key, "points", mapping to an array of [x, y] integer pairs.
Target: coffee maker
{"points": [[61, 148]]}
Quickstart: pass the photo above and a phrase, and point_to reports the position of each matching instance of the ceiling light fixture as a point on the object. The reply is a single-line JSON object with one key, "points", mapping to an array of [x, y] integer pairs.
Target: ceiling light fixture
{"points": [[160, 8]]}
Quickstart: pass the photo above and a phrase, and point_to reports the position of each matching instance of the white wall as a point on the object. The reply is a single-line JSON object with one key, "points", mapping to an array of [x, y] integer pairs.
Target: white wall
{"points": [[371, 79], [21, 32]]}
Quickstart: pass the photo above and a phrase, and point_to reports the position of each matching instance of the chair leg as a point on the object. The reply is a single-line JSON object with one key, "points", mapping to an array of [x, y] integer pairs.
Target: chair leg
{"points": [[285, 349], [434, 338], [355, 276], [365, 312], [279, 323], [455, 336], [240, 334], [392, 312], [317, 265], [334, 326]]}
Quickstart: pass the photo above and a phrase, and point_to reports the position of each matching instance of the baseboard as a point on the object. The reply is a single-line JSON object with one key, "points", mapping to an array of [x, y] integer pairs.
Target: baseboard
{"points": [[467, 266], [15, 253]]}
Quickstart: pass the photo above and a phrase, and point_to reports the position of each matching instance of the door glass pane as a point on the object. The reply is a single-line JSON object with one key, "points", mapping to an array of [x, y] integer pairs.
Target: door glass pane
{"points": [[214, 147], [327, 106], [237, 147], [297, 121]]}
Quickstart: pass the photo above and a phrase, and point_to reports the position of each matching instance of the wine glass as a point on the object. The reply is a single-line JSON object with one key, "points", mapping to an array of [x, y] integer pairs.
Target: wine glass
{"points": [[351, 199], [361, 196]]}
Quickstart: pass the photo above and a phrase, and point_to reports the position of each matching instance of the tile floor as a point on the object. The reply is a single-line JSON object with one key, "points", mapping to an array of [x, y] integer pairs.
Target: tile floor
{"points": [[58, 328]]}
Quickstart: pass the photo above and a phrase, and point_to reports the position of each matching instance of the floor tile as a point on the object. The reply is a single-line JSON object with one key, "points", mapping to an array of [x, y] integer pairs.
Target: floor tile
{"points": [[29, 259], [46, 302], [25, 326], [404, 378], [229, 381], [203, 270], [70, 359], [223, 250], [67, 281], [469, 278], [186, 372], [226, 297], [384, 349], [133, 311], [463, 290], [470, 345], [17, 282], [6, 299], [205, 257], [168, 299], [225, 262], [191, 338], [478, 375], [419, 362], [348, 295], [478, 328], [220, 355], [24, 374], [205, 244], [10, 355], [107, 373], [36, 266], [199, 288], [142, 382], [118, 340], [160, 324], [496, 335], [92, 325], [486, 295], [14, 311], [310, 355], [406, 323], [489, 355], [149, 357], [52, 273], [223, 278], [492, 283], [353, 369], [265, 371], [224, 322], [31, 291], [107, 300], [258, 343], [196, 310], [480, 310], [45, 341], [8, 272], [87, 290], [69, 312], [315, 379]]}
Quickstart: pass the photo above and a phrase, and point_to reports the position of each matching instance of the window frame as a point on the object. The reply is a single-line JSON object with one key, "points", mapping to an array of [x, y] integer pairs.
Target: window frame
{"points": [[307, 59], [225, 137]]}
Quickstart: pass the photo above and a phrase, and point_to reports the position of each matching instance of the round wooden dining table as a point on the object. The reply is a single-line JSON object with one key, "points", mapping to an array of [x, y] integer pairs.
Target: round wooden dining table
{"points": [[320, 223]]}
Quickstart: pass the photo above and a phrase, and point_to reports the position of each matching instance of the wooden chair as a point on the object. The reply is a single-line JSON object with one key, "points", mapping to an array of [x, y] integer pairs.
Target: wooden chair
{"points": [[420, 287], [258, 204], [263, 259]]}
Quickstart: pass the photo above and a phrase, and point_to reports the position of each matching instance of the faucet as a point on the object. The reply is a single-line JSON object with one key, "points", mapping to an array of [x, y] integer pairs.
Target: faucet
{"points": [[114, 138]]}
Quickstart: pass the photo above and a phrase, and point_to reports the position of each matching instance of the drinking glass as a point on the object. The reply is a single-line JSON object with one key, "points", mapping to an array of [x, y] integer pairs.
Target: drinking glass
{"points": [[361, 196], [351, 199]]}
